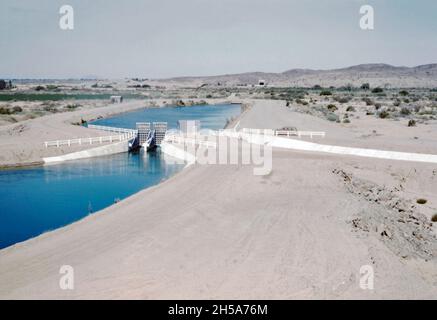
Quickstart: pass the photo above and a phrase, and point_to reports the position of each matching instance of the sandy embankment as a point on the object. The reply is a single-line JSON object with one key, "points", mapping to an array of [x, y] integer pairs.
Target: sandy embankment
{"points": [[23, 143], [303, 231]]}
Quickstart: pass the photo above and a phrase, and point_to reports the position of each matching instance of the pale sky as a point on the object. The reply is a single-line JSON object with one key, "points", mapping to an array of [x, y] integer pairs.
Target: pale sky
{"points": [[167, 38]]}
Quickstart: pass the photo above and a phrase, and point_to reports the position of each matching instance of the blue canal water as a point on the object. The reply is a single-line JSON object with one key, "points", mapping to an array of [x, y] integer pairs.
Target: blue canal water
{"points": [[210, 116], [36, 200]]}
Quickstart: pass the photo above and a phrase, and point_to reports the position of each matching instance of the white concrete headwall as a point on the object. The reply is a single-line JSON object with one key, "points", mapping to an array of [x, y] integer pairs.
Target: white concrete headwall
{"points": [[113, 148]]}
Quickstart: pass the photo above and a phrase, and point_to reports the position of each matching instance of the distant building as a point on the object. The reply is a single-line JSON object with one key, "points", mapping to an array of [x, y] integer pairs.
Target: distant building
{"points": [[116, 99], [262, 83], [189, 127]]}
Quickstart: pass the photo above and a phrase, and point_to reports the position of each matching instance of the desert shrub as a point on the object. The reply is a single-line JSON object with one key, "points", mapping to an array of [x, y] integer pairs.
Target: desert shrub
{"points": [[421, 201], [405, 111], [365, 86], [377, 90], [17, 109], [342, 99], [346, 120], [332, 107], [383, 114], [350, 109], [72, 106], [300, 101], [368, 101], [332, 117], [412, 123], [404, 93], [434, 218], [326, 93], [397, 103], [377, 106], [4, 110], [407, 100], [50, 108], [39, 88]]}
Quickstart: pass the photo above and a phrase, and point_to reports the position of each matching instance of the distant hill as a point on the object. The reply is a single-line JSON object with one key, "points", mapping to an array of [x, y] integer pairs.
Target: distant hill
{"points": [[376, 74]]}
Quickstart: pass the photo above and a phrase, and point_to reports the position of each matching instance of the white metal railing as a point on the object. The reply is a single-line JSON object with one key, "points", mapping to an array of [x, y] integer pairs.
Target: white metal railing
{"points": [[266, 132], [290, 133], [285, 133], [112, 129], [87, 141], [191, 141]]}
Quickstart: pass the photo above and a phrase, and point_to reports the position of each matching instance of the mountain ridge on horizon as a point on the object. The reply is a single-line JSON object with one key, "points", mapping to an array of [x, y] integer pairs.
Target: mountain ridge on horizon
{"points": [[361, 66], [380, 74], [376, 74]]}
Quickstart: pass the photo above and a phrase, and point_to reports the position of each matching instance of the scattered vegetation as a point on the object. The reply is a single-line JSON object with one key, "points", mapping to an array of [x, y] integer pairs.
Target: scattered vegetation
{"points": [[421, 201], [365, 86], [368, 101], [9, 111], [384, 114], [332, 107], [405, 111], [412, 123], [342, 99], [72, 107], [326, 93], [332, 117]]}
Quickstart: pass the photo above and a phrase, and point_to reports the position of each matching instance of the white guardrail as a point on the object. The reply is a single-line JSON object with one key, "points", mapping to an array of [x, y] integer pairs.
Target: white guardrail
{"points": [[191, 141], [111, 129], [285, 133], [92, 140]]}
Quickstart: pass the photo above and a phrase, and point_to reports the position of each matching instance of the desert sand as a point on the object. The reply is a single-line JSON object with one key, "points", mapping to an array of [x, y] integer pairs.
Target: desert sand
{"points": [[218, 231]]}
